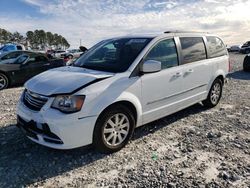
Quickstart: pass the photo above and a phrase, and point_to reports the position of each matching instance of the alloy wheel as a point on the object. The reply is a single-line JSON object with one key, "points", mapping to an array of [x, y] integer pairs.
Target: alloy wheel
{"points": [[116, 129], [215, 93]]}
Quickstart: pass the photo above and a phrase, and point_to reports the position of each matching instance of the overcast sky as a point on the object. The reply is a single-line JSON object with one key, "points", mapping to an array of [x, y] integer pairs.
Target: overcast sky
{"points": [[94, 20]]}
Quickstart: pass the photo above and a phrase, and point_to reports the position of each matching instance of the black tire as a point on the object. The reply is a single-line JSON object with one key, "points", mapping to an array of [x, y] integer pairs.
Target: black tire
{"points": [[246, 64], [100, 142], [4, 81], [247, 51], [210, 102]]}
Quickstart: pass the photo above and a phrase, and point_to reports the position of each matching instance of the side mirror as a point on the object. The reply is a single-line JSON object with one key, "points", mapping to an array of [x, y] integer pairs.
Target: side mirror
{"points": [[151, 66]]}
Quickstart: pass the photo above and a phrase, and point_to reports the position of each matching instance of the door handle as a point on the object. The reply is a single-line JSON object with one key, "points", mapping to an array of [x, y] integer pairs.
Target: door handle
{"points": [[190, 70], [178, 74]]}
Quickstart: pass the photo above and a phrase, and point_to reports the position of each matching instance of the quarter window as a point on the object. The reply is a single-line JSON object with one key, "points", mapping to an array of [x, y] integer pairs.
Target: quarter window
{"points": [[193, 49], [216, 47], [165, 52]]}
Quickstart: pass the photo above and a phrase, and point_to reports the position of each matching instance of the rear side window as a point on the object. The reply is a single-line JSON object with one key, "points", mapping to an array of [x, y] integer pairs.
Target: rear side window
{"points": [[215, 47], [22, 59], [11, 55], [193, 49], [165, 52], [32, 57]]}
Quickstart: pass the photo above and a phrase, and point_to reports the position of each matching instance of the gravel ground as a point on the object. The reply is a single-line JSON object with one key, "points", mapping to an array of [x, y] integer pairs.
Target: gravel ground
{"points": [[196, 147]]}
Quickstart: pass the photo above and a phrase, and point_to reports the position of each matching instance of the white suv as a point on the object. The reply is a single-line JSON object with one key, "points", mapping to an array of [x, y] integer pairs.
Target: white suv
{"points": [[120, 84]]}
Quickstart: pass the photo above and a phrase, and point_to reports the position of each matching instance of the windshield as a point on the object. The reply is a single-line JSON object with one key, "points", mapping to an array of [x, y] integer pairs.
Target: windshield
{"points": [[2, 54], [115, 55], [247, 43], [3, 48]]}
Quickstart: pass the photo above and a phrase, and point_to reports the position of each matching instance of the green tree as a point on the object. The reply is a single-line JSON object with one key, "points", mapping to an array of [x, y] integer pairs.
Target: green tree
{"points": [[56, 40], [30, 37], [5, 36], [50, 38], [16, 37], [36, 39], [42, 38], [65, 43]]}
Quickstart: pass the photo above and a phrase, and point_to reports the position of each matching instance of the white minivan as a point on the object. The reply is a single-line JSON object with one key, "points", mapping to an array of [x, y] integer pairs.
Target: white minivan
{"points": [[120, 84]]}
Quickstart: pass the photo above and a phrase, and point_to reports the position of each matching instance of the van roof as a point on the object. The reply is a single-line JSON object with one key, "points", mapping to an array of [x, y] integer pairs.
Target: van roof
{"points": [[170, 33], [183, 31]]}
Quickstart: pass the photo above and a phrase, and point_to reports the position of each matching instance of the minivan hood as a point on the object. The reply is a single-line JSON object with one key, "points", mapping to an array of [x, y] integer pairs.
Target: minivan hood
{"points": [[64, 80]]}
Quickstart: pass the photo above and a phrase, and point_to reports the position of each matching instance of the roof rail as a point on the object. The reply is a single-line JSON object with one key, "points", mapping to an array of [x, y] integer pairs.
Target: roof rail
{"points": [[183, 31]]}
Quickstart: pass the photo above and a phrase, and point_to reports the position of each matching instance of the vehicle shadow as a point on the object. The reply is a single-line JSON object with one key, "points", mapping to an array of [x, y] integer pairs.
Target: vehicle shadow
{"points": [[23, 162], [168, 120], [239, 75]]}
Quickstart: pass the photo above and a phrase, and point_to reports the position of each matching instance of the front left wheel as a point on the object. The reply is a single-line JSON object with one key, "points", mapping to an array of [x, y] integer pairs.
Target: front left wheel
{"points": [[113, 129]]}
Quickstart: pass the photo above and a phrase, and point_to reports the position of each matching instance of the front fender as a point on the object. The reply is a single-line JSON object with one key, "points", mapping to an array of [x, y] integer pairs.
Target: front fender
{"points": [[106, 93]]}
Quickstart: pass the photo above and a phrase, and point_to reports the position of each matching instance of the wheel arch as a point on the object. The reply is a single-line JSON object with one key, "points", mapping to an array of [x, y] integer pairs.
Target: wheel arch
{"points": [[220, 77], [221, 74], [126, 103]]}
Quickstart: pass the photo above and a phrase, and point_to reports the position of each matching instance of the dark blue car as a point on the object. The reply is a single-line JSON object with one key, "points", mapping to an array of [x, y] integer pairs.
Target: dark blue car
{"points": [[10, 47]]}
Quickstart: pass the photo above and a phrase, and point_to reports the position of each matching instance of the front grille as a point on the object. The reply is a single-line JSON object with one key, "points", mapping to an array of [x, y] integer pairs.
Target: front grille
{"points": [[34, 101]]}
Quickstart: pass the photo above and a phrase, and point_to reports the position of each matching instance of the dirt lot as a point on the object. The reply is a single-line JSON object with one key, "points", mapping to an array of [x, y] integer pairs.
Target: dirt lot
{"points": [[196, 147]]}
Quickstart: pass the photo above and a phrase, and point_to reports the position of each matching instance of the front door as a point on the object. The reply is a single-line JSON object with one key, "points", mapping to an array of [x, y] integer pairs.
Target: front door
{"points": [[160, 90], [21, 72], [36, 64], [39, 65]]}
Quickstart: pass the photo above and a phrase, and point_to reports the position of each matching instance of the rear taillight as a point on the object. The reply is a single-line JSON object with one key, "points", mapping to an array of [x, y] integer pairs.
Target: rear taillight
{"points": [[65, 60], [229, 65]]}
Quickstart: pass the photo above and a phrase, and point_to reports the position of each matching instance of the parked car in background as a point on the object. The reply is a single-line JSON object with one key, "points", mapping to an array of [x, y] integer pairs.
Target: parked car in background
{"points": [[19, 69], [49, 53], [245, 48], [11, 47], [120, 84], [73, 53], [234, 48], [58, 53], [246, 63]]}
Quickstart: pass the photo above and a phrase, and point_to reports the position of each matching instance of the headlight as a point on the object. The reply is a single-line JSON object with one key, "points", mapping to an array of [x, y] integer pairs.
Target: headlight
{"points": [[68, 103]]}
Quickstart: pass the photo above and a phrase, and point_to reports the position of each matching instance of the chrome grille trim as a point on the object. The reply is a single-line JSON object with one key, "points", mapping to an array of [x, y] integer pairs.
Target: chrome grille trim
{"points": [[34, 101]]}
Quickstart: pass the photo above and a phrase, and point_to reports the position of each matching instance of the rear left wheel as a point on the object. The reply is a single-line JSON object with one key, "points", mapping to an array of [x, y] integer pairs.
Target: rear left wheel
{"points": [[4, 81], [113, 129], [214, 94]]}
